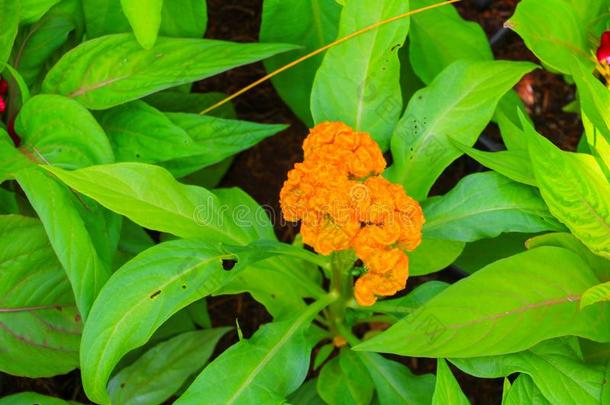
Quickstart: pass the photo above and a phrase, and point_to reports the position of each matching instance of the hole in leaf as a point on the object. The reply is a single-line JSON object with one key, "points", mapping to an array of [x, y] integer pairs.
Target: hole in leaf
{"points": [[153, 295], [228, 264]]}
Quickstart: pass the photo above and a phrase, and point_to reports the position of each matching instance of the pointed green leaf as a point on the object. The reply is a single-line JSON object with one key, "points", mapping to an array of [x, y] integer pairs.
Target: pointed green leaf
{"points": [[114, 69], [364, 92], [162, 370], [67, 233], [598, 293], [9, 21], [457, 105], [38, 319], [576, 191], [496, 316], [447, 390], [144, 16], [470, 212], [263, 369], [524, 391]]}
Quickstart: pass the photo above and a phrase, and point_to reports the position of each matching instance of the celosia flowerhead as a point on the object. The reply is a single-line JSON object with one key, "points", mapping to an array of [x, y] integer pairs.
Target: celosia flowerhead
{"points": [[343, 203], [603, 52]]}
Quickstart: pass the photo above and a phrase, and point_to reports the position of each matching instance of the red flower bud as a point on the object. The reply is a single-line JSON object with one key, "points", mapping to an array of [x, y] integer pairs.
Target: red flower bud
{"points": [[2, 105], [3, 87], [603, 52]]}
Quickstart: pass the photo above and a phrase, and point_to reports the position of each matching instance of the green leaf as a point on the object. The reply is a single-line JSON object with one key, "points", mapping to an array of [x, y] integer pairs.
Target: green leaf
{"points": [[68, 235], [184, 18], [307, 394], [8, 202], [541, 304], [62, 132], [114, 69], [556, 370], [576, 191], [524, 391], [104, 17], [22, 398], [40, 41], [399, 307], [470, 212], [141, 133], [515, 165], [322, 355], [433, 255], [430, 51], [174, 101], [216, 139], [457, 105], [38, 319], [261, 370], [311, 24], [164, 279], [9, 21], [364, 92], [345, 381], [478, 254], [606, 387], [12, 158], [447, 390], [598, 293], [594, 99], [32, 10], [162, 370], [552, 30], [133, 190], [566, 240], [395, 383], [144, 16]]}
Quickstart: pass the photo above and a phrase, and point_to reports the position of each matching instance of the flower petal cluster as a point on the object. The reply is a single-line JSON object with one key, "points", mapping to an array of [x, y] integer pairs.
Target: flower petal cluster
{"points": [[344, 203]]}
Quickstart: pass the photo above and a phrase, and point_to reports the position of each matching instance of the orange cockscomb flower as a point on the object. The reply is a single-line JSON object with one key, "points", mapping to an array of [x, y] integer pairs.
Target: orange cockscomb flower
{"points": [[343, 202]]}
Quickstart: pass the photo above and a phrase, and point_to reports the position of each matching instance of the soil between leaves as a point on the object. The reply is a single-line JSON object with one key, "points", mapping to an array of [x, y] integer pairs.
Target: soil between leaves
{"points": [[261, 170]]}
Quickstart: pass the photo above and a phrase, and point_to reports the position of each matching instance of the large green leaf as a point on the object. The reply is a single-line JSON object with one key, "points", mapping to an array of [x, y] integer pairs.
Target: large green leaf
{"points": [[524, 391], [114, 69], [144, 16], [433, 255], [216, 139], [447, 390], [344, 380], [485, 314], [552, 30], [557, 371], [484, 205], [440, 37], [38, 320], [162, 370], [457, 105], [575, 189], [67, 233], [152, 198], [9, 21], [309, 23], [40, 41], [60, 131], [479, 254], [261, 370], [163, 280], [141, 133], [395, 383], [184, 18], [358, 81], [175, 101]]}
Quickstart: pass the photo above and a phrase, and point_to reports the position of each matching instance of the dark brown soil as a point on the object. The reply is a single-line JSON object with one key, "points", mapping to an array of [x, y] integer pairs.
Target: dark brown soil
{"points": [[261, 170]]}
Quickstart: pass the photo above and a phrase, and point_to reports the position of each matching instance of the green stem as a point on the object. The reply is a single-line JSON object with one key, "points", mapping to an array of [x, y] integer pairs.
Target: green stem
{"points": [[341, 264]]}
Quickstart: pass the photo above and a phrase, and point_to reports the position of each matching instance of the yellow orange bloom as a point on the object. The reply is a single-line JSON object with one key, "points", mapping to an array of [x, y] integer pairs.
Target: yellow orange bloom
{"points": [[343, 202]]}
